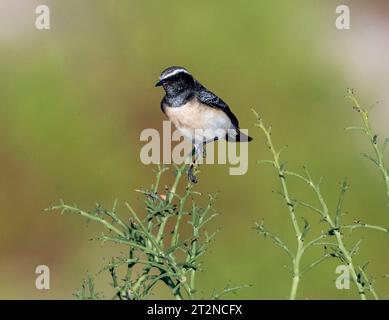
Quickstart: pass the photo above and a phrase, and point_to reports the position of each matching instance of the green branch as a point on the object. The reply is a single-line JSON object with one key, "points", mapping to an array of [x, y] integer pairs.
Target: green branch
{"points": [[155, 257], [379, 150], [339, 247]]}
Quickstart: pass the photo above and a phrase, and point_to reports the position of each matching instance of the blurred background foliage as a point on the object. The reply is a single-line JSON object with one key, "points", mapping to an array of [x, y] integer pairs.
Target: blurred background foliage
{"points": [[74, 99]]}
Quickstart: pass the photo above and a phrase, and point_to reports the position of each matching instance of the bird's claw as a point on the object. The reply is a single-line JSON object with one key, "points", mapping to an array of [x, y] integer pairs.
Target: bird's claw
{"points": [[191, 177], [204, 153]]}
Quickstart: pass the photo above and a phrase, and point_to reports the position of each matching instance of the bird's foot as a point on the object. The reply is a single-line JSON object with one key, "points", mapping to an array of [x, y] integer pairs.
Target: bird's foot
{"points": [[191, 177], [204, 153]]}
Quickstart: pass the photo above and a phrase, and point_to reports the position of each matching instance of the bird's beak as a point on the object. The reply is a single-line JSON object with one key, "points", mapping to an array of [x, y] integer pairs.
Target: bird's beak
{"points": [[159, 83]]}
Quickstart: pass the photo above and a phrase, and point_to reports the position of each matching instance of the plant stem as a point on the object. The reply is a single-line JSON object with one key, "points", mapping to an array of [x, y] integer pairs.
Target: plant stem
{"points": [[87, 215], [367, 226], [170, 197], [193, 271], [296, 270], [350, 264], [373, 140], [161, 170], [371, 288], [324, 212], [172, 191], [291, 209], [339, 239], [179, 215], [343, 249]]}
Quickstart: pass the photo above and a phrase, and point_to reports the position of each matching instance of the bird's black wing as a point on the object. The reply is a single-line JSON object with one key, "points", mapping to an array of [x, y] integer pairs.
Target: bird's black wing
{"points": [[209, 98]]}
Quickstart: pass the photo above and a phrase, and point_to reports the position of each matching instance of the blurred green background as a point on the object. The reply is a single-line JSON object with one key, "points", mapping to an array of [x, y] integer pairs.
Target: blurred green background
{"points": [[74, 99]]}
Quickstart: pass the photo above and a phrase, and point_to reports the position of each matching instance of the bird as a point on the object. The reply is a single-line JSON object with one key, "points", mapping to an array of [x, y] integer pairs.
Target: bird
{"points": [[190, 106]]}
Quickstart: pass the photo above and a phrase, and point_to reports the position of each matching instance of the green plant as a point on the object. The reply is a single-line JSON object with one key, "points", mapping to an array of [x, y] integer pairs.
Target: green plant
{"points": [[87, 290], [378, 149], [160, 246], [331, 238]]}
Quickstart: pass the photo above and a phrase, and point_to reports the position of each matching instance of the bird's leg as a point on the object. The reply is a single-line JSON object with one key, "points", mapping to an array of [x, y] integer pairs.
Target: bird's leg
{"points": [[191, 177], [204, 148], [200, 150], [194, 153]]}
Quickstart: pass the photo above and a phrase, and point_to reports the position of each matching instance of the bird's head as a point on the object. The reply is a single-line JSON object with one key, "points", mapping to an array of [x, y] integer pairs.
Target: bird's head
{"points": [[175, 80]]}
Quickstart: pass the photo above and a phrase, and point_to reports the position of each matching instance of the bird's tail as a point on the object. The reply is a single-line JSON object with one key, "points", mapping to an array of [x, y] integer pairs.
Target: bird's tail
{"points": [[237, 136]]}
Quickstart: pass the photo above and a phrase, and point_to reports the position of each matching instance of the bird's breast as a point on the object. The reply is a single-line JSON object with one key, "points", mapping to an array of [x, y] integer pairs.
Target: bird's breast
{"points": [[196, 115]]}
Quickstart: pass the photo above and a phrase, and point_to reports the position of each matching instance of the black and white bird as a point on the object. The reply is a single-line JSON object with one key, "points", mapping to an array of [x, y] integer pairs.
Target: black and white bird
{"points": [[196, 112]]}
